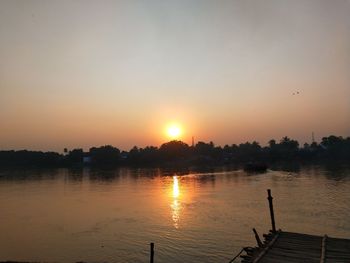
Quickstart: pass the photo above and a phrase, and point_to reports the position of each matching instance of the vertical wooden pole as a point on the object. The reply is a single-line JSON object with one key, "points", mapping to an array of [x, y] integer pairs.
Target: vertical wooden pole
{"points": [[323, 250], [152, 253], [272, 215]]}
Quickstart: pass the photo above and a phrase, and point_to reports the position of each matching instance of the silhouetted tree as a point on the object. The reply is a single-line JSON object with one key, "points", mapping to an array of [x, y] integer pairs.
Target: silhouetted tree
{"points": [[149, 155], [288, 145], [336, 147], [75, 156], [104, 155], [203, 154], [174, 150]]}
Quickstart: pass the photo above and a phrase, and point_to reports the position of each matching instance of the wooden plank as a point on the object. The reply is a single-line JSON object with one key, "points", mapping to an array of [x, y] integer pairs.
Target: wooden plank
{"points": [[286, 259], [270, 244], [338, 250]]}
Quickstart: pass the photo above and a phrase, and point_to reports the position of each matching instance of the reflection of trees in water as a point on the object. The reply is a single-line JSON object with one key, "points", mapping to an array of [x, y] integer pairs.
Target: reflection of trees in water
{"points": [[331, 169], [97, 174], [336, 171], [208, 178], [108, 175], [28, 174], [292, 167], [75, 174]]}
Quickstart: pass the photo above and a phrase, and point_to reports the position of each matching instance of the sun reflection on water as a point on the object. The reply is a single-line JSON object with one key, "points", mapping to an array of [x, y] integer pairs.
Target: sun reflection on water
{"points": [[176, 205], [176, 191]]}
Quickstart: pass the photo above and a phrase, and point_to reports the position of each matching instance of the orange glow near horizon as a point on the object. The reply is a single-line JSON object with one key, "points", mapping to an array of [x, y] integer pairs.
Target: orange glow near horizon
{"points": [[174, 131], [125, 80]]}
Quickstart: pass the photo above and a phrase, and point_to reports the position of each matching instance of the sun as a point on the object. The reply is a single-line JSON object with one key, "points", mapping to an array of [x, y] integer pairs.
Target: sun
{"points": [[174, 131]]}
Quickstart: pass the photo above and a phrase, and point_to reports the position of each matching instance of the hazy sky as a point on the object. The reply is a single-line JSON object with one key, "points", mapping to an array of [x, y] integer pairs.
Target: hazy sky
{"points": [[89, 73]]}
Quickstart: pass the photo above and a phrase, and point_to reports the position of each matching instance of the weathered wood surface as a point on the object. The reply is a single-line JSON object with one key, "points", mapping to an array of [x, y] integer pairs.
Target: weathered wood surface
{"points": [[291, 247]]}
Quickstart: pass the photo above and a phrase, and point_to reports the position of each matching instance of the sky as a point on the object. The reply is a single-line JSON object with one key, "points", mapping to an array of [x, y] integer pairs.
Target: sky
{"points": [[76, 74]]}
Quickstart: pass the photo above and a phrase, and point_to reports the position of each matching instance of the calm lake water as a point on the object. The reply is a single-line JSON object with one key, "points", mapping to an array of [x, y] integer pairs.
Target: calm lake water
{"points": [[111, 216]]}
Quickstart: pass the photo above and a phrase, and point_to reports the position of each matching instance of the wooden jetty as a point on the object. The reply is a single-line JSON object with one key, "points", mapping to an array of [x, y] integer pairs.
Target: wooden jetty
{"points": [[294, 247], [287, 247]]}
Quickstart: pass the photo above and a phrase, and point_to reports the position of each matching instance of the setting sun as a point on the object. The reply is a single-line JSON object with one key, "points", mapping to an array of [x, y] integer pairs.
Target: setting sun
{"points": [[174, 131]]}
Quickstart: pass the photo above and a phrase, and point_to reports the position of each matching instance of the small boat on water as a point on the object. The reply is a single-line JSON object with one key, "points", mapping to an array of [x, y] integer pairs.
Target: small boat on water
{"points": [[255, 167]]}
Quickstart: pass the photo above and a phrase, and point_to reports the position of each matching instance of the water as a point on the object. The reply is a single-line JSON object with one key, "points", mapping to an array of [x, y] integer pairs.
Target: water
{"points": [[112, 216]]}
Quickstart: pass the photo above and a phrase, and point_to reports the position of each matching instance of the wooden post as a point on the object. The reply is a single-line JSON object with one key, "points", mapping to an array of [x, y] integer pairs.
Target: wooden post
{"points": [[152, 253], [323, 250], [272, 215], [258, 241]]}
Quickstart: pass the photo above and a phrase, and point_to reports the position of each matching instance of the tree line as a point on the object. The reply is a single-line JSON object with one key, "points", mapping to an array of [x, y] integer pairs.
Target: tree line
{"points": [[179, 153]]}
